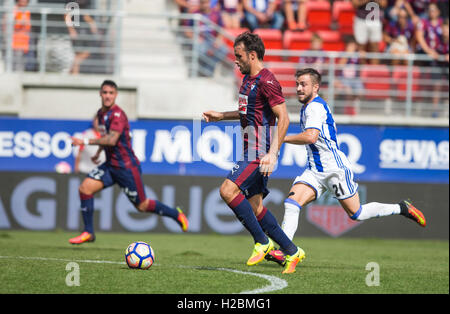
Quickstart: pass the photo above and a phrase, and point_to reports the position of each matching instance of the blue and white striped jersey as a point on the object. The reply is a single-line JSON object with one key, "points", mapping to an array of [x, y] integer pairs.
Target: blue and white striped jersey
{"points": [[324, 155]]}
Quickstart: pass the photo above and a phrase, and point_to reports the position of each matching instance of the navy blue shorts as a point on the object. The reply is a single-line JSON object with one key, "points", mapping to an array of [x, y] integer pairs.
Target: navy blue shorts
{"points": [[129, 179], [249, 179]]}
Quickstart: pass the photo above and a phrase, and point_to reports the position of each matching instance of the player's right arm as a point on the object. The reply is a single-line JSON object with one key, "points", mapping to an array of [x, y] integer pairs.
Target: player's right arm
{"points": [[213, 116], [109, 139], [96, 157], [309, 136], [315, 115]]}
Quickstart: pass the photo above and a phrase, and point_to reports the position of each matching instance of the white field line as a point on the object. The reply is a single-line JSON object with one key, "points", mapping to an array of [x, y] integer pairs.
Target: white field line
{"points": [[275, 283]]}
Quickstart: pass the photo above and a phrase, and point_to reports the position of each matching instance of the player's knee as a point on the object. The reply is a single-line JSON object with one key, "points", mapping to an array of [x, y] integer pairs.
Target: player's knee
{"points": [[227, 192], [354, 214], [140, 207], [84, 189], [147, 205]]}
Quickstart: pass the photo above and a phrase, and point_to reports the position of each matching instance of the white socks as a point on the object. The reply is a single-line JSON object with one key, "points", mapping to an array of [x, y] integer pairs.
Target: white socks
{"points": [[366, 211], [374, 209], [290, 220]]}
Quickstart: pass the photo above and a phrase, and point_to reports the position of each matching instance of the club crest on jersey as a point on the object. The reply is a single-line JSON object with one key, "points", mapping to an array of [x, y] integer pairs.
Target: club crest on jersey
{"points": [[117, 114], [243, 102]]}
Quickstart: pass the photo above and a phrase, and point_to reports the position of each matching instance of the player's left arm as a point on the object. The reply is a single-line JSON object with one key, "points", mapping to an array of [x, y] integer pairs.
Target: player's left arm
{"points": [[282, 115], [267, 163]]}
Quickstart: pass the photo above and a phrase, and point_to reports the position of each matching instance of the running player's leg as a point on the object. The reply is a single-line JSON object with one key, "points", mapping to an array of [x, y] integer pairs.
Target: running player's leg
{"points": [[92, 184], [350, 201], [130, 181], [87, 190], [270, 225], [359, 212], [305, 189], [232, 196], [299, 196]]}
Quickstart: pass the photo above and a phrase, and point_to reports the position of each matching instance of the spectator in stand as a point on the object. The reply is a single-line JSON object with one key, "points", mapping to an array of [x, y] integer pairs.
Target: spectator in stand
{"points": [[263, 13], [443, 7], [430, 41], [399, 35], [187, 6], [429, 32], [443, 51], [399, 47], [83, 36], [316, 62], [348, 79], [367, 25], [21, 35], [232, 13], [295, 12], [212, 48], [391, 11], [417, 9]]}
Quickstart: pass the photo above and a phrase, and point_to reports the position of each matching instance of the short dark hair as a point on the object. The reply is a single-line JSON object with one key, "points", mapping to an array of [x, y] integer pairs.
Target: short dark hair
{"points": [[252, 42], [109, 83], [313, 73]]}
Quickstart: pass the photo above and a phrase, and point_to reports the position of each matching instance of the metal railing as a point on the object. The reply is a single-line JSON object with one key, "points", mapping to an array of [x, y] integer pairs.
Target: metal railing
{"points": [[408, 85], [412, 89], [51, 49]]}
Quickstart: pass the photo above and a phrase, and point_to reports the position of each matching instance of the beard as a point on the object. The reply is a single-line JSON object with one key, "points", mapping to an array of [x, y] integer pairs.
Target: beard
{"points": [[245, 69], [306, 99]]}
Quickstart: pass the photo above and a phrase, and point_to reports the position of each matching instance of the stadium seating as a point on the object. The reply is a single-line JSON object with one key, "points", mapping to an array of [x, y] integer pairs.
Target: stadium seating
{"points": [[273, 39], [286, 77], [400, 78], [377, 81], [318, 15], [234, 32], [296, 41], [343, 14], [332, 40]]}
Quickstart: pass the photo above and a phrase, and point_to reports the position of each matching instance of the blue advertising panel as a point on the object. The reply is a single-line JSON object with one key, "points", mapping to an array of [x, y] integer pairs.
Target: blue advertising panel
{"points": [[169, 147]]}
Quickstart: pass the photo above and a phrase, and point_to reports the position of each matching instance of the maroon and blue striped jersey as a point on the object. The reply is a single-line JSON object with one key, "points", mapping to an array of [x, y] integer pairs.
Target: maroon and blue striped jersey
{"points": [[121, 155], [257, 95]]}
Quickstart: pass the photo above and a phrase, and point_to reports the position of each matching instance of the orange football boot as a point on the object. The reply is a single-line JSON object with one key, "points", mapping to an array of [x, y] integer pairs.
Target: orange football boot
{"points": [[409, 211], [182, 220], [82, 238]]}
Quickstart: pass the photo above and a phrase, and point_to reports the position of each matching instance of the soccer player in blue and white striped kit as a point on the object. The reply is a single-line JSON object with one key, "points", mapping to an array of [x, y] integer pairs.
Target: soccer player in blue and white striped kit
{"points": [[328, 167]]}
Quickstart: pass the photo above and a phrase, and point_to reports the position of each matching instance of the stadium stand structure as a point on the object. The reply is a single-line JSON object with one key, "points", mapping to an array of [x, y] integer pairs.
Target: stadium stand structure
{"points": [[148, 47], [145, 49]]}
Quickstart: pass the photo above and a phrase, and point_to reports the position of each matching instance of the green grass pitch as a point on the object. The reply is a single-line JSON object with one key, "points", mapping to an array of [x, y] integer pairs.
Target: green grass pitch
{"points": [[35, 262]]}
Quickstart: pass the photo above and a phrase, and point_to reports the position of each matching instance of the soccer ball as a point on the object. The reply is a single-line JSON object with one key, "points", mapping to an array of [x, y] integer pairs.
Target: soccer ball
{"points": [[139, 255]]}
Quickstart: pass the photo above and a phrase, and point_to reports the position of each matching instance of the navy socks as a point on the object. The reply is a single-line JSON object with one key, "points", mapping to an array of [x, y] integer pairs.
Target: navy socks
{"points": [[270, 226], [244, 212], [163, 210], [87, 211]]}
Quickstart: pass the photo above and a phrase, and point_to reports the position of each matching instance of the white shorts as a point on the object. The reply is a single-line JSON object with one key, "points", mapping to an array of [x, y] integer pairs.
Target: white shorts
{"points": [[367, 31], [339, 183]]}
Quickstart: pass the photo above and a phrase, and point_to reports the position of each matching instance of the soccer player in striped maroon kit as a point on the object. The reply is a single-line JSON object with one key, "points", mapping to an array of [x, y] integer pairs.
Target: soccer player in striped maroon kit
{"points": [[121, 167], [261, 103]]}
